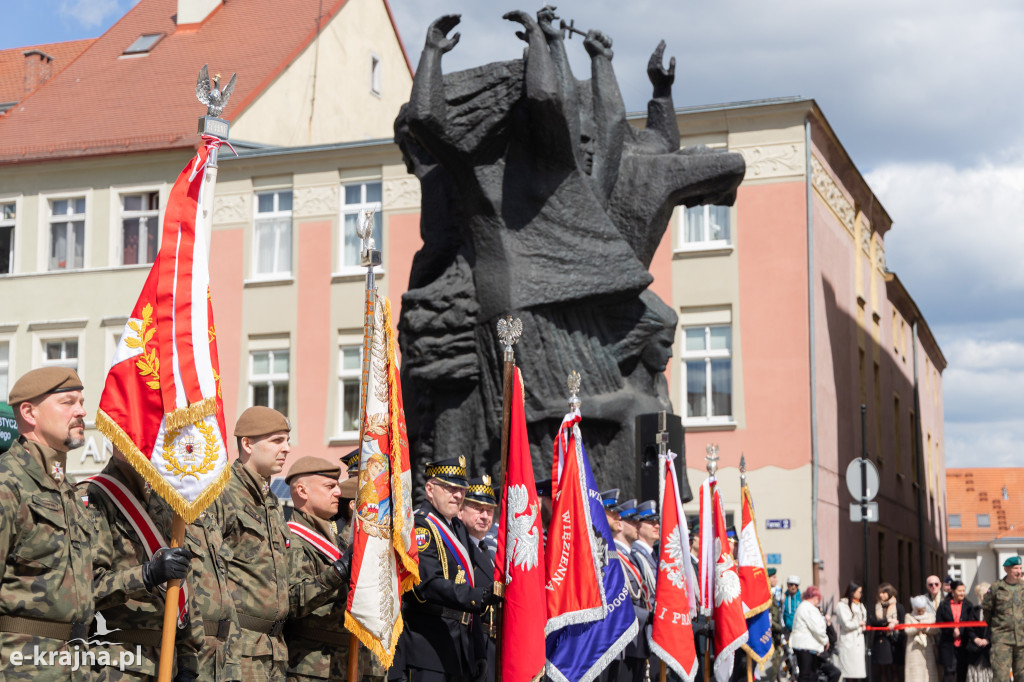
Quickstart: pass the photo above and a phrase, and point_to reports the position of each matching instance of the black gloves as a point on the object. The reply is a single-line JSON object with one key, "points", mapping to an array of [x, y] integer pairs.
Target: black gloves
{"points": [[343, 566], [185, 675], [166, 564], [482, 597]]}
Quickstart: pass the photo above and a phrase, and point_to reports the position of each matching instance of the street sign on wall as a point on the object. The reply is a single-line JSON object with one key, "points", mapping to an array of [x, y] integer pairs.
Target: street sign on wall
{"points": [[776, 524], [8, 427]]}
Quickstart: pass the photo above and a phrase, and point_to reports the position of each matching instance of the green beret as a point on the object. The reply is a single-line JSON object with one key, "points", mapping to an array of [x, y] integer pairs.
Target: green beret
{"points": [[771, 572], [43, 381], [1012, 561], [312, 465], [259, 421]]}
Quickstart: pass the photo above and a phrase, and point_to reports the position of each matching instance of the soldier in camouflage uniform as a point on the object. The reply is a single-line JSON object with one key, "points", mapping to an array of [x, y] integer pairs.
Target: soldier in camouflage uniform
{"points": [[1003, 607], [135, 610], [318, 642], [263, 572], [45, 535]]}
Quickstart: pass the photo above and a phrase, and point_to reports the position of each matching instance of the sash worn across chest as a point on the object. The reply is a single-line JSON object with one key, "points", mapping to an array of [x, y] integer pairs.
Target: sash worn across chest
{"points": [[628, 566], [318, 541], [453, 544], [152, 538]]}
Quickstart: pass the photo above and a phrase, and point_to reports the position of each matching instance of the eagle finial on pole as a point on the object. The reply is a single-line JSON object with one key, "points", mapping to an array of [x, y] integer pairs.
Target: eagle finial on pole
{"points": [[210, 94]]}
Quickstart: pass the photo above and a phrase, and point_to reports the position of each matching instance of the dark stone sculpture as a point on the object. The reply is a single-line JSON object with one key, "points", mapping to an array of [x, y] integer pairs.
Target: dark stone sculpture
{"points": [[541, 201]]}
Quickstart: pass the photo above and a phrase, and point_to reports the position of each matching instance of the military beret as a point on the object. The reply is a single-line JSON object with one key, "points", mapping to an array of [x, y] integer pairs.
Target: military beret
{"points": [[610, 498], [43, 381], [451, 471], [1012, 561], [481, 492], [771, 572], [312, 465], [647, 511], [351, 462], [543, 487], [349, 487], [259, 421]]}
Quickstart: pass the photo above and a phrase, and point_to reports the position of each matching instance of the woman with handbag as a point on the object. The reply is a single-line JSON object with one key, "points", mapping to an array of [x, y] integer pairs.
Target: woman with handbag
{"points": [[887, 647]]}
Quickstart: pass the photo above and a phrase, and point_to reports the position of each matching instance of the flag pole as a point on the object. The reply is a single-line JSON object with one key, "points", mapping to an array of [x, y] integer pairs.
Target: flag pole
{"points": [[369, 258], [210, 125], [509, 330], [709, 623]]}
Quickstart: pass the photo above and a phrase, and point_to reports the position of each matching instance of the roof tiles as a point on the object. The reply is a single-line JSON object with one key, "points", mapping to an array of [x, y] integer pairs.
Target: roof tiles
{"points": [[12, 65], [974, 492]]}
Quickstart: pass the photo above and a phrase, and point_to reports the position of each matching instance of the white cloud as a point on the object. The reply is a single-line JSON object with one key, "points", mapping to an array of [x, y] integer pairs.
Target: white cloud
{"points": [[91, 13], [989, 444]]}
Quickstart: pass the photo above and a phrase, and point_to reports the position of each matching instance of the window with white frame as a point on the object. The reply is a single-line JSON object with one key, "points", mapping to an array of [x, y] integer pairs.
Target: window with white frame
{"points": [[8, 218], [704, 226], [67, 233], [268, 379], [350, 361], [272, 236], [707, 362], [140, 227], [375, 74], [954, 520], [60, 353], [5, 369], [358, 198]]}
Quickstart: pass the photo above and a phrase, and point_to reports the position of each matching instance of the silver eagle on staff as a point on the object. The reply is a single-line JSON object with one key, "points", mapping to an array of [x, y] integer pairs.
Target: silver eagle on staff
{"points": [[210, 94]]}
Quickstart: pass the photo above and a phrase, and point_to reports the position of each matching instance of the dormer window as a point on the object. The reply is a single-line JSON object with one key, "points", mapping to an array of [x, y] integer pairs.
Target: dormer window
{"points": [[144, 43]]}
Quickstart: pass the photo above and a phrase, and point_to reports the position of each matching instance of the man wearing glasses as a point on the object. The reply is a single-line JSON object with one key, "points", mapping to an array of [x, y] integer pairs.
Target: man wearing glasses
{"points": [[435, 644], [934, 594]]}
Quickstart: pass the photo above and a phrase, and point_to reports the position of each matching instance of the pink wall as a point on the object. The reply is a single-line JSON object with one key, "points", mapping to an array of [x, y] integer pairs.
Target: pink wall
{"points": [[226, 293]]}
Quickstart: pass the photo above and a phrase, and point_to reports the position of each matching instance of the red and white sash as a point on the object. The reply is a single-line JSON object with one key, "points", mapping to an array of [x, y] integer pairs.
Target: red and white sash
{"points": [[318, 541], [132, 510], [453, 544]]}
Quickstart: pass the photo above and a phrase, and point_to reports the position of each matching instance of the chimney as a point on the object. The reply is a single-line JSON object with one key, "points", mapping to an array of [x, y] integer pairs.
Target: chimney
{"points": [[38, 69], [195, 11]]}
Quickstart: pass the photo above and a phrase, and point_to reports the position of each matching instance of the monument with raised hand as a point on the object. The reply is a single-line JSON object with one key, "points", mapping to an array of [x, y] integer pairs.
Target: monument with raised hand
{"points": [[541, 201]]}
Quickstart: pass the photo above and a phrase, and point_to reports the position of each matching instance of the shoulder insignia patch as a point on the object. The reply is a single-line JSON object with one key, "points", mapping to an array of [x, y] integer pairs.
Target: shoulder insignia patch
{"points": [[422, 538]]}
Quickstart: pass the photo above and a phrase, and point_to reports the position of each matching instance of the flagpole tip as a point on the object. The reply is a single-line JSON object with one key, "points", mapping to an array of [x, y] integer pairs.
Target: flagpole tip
{"points": [[573, 383], [712, 458]]}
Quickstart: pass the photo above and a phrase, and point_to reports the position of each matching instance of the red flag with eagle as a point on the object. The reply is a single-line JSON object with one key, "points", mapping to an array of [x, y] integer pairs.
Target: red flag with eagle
{"points": [[161, 403], [385, 557], [519, 561]]}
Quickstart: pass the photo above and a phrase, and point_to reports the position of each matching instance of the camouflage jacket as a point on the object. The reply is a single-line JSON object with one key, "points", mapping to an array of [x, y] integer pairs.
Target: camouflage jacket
{"points": [[263, 573], [1004, 612], [45, 539], [317, 656], [46, 545], [126, 603]]}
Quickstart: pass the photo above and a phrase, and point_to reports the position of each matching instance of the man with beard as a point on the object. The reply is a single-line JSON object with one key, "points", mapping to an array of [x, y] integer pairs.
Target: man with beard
{"points": [[46, 595], [436, 645]]}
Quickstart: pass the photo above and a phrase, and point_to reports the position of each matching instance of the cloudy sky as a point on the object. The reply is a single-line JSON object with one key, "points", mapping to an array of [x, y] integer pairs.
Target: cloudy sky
{"points": [[927, 97]]}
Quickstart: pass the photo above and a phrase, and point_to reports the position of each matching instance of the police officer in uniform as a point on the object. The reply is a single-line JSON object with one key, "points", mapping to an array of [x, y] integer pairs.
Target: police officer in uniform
{"points": [[1003, 607], [317, 642], [45, 535], [436, 644], [633, 664], [263, 574], [477, 514]]}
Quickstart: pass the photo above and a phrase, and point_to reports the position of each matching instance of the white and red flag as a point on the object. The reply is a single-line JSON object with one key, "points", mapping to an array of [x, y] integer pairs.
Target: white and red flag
{"points": [[720, 582], [754, 587], [161, 403], [671, 634], [385, 559], [519, 561]]}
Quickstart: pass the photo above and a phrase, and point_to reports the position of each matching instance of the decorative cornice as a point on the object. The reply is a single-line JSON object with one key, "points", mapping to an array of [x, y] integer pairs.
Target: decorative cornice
{"points": [[832, 195], [316, 201], [231, 208], [772, 161], [402, 193]]}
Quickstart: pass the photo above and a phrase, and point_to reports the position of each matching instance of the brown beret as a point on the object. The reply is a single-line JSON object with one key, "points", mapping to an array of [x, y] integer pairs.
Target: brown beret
{"points": [[43, 381], [259, 421], [312, 465], [349, 488]]}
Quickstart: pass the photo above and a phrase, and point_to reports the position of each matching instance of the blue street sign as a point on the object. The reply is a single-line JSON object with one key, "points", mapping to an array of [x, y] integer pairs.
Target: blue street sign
{"points": [[776, 524]]}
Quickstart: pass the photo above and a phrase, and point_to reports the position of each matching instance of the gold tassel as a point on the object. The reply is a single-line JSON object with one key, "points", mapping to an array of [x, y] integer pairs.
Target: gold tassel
{"points": [[370, 641], [184, 416]]}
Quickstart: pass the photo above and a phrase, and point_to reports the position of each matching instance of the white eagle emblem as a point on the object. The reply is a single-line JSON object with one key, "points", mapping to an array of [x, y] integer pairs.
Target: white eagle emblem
{"points": [[674, 567], [523, 537], [727, 582]]}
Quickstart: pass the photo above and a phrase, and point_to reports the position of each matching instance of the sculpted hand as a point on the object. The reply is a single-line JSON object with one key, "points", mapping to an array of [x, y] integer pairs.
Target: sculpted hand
{"points": [[438, 31], [521, 17], [661, 78], [168, 563], [545, 19], [598, 44]]}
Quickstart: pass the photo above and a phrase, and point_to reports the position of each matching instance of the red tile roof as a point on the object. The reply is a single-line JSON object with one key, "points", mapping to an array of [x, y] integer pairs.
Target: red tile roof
{"points": [[103, 103], [970, 492], [12, 65]]}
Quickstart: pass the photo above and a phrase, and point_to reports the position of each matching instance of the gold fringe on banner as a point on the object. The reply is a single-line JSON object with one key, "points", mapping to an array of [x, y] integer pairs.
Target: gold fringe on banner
{"points": [[370, 641], [185, 416], [189, 511]]}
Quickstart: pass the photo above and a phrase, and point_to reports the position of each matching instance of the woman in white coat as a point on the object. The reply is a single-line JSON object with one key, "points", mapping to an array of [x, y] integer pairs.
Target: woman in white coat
{"points": [[810, 638], [851, 647]]}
